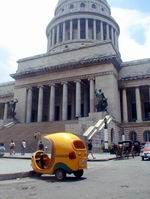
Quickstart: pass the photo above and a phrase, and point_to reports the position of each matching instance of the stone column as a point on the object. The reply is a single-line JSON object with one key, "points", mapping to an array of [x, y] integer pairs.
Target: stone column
{"points": [[112, 35], [71, 29], [78, 98], [40, 104], [64, 31], [53, 33], [125, 106], [86, 29], [78, 29], [52, 103], [29, 105], [138, 104], [65, 101], [5, 111], [48, 42], [102, 32], [92, 90], [94, 25], [57, 34]]}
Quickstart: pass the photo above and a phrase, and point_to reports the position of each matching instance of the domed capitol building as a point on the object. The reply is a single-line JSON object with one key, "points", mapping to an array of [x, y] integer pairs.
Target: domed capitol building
{"points": [[57, 90]]}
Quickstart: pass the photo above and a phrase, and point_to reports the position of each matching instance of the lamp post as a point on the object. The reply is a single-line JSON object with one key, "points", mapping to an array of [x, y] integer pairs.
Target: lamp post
{"points": [[105, 136]]}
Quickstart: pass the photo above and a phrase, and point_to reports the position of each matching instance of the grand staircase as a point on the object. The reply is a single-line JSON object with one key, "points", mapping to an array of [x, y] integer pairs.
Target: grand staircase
{"points": [[21, 131]]}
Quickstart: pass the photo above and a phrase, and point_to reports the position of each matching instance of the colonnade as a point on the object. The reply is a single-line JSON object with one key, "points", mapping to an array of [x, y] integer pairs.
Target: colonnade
{"points": [[138, 105], [5, 111], [82, 28], [65, 93]]}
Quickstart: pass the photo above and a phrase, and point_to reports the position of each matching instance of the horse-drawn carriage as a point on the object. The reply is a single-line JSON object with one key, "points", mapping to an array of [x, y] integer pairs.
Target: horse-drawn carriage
{"points": [[124, 149]]}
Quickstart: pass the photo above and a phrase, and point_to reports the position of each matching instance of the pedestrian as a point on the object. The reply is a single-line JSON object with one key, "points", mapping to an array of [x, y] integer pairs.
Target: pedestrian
{"points": [[90, 148], [23, 147], [41, 145], [12, 147]]}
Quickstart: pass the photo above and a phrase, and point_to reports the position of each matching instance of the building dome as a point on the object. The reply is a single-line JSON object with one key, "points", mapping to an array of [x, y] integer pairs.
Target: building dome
{"points": [[81, 22]]}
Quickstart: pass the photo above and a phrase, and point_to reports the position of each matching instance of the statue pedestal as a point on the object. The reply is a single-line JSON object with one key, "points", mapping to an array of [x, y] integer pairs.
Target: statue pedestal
{"points": [[97, 115]]}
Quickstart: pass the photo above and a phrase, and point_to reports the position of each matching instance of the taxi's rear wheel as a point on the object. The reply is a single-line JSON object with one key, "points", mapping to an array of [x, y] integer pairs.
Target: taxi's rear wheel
{"points": [[79, 173], [60, 174]]}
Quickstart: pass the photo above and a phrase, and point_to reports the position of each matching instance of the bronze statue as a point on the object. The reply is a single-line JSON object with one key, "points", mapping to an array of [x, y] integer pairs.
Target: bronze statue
{"points": [[13, 107], [101, 101]]}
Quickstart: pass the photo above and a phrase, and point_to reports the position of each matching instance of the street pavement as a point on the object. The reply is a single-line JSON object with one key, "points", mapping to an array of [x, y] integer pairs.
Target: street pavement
{"points": [[116, 179], [14, 166]]}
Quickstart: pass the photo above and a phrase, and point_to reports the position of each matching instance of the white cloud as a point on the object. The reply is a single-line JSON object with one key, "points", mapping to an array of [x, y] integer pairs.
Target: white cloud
{"points": [[23, 29], [23, 26], [129, 48]]}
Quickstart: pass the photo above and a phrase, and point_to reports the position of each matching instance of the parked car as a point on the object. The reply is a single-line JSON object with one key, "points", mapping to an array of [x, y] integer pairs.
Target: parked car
{"points": [[2, 149], [145, 152]]}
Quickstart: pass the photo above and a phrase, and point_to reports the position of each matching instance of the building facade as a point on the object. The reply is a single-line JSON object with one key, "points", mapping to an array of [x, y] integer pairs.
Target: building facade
{"points": [[82, 56]]}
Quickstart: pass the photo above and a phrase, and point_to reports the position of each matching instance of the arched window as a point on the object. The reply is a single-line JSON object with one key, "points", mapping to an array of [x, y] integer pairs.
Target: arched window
{"points": [[112, 135], [146, 136], [133, 136], [93, 6], [82, 5]]}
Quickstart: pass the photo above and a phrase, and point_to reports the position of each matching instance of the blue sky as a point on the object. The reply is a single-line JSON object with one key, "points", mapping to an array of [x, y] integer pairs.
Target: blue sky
{"points": [[141, 5], [23, 28]]}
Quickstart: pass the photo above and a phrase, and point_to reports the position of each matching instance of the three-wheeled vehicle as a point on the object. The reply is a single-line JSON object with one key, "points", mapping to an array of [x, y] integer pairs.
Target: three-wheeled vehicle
{"points": [[65, 154]]}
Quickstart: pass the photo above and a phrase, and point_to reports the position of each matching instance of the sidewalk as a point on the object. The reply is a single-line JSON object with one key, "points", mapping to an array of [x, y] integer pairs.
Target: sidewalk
{"points": [[19, 166]]}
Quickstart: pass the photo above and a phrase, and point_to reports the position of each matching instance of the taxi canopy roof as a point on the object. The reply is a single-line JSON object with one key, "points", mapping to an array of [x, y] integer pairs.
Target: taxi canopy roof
{"points": [[62, 141]]}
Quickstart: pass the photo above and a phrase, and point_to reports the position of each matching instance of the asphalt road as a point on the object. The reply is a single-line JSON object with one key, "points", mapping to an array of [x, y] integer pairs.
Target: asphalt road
{"points": [[125, 179]]}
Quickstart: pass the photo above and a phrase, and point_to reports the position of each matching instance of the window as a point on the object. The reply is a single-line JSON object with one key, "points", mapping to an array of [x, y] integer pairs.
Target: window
{"points": [[110, 32], [2, 110], [98, 30], [82, 28], [74, 29], [55, 35], [78, 144], [60, 32], [146, 136], [93, 6], [82, 5], [104, 31], [71, 6], [133, 136], [67, 30], [90, 31]]}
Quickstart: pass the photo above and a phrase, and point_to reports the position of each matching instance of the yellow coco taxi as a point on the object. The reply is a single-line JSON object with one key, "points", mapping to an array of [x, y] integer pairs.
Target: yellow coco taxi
{"points": [[65, 154]]}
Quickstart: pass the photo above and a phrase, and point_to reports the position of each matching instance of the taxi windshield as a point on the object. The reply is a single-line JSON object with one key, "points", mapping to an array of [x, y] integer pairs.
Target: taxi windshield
{"points": [[47, 146]]}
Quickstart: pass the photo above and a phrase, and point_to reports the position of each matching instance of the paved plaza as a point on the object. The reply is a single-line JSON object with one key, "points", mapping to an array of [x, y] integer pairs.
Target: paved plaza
{"points": [[22, 163], [115, 179]]}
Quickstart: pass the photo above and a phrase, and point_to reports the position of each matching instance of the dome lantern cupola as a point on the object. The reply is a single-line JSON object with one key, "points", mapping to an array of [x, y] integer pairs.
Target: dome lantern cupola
{"points": [[81, 22]]}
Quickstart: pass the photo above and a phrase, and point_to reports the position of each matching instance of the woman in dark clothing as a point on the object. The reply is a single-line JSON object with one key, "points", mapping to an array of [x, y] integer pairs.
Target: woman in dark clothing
{"points": [[90, 147]]}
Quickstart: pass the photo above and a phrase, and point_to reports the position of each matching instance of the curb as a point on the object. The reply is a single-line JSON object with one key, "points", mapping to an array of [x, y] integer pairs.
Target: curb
{"points": [[12, 176], [101, 160], [15, 157]]}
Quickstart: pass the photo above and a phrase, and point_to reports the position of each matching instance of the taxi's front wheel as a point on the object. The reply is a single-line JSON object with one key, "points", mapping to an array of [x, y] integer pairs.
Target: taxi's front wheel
{"points": [[60, 174], [79, 173]]}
